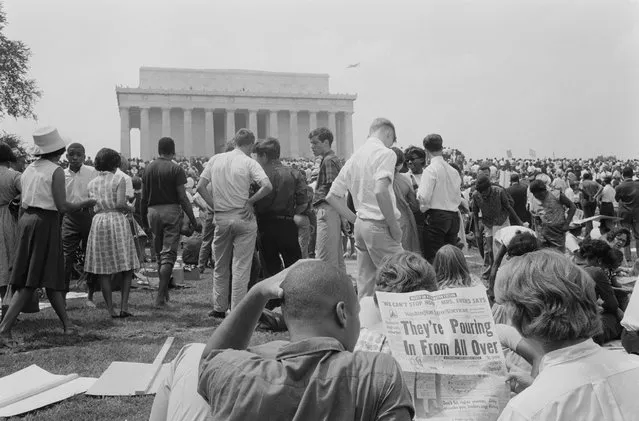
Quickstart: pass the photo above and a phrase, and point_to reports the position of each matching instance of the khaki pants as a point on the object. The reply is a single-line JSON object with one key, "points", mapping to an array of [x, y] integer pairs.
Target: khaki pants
{"points": [[328, 246], [373, 243]]}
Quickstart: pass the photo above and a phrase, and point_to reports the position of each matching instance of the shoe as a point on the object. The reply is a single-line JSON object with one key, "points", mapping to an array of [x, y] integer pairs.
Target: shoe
{"points": [[125, 314], [217, 314]]}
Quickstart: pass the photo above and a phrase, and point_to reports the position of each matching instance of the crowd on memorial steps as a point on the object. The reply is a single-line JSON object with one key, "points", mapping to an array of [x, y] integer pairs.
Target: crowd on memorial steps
{"points": [[558, 237]]}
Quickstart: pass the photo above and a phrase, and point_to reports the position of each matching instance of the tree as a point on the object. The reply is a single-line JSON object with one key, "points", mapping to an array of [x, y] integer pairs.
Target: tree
{"points": [[18, 92], [14, 142]]}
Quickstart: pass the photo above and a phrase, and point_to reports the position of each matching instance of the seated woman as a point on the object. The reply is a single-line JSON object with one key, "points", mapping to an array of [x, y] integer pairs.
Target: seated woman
{"points": [[619, 238], [512, 241], [553, 304], [595, 253], [452, 269]]}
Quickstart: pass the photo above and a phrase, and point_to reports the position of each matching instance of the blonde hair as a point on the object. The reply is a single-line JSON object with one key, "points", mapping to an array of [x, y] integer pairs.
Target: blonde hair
{"points": [[451, 268]]}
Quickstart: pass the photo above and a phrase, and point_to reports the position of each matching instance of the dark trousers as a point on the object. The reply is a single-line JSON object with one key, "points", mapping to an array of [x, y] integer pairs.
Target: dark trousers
{"points": [[75, 232], [278, 236], [441, 227], [606, 209]]}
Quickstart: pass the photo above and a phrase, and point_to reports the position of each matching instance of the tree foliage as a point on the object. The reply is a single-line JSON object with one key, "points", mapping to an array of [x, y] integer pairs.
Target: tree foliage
{"points": [[14, 142], [18, 92]]}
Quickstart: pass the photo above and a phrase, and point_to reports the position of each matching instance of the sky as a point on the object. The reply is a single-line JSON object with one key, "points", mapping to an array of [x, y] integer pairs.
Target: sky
{"points": [[557, 76]]}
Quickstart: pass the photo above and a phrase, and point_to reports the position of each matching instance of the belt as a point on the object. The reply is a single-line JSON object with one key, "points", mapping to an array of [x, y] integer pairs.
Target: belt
{"points": [[277, 217]]}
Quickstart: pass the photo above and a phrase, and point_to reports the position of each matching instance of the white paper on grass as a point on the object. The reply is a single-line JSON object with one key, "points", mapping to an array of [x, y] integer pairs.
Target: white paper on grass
{"points": [[124, 378], [31, 378]]}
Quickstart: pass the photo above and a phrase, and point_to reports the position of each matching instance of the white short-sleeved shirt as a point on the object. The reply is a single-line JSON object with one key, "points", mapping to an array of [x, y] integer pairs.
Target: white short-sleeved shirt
{"points": [[440, 187], [581, 382], [608, 194], [128, 182], [77, 183], [370, 163], [37, 185], [230, 175], [505, 235]]}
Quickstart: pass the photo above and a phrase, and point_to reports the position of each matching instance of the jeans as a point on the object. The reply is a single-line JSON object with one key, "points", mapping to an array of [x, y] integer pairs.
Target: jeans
{"points": [[278, 237], [75, 233], [208, 231], [234, 240], [373, 243], [165, 222], [328, 245], [441, 228]]}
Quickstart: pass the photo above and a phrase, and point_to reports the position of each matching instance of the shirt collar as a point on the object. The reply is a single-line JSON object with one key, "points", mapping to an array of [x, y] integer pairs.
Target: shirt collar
{"points": [[437, 158], [309, 346], [329, 153], [376, 141], [570, 353]]}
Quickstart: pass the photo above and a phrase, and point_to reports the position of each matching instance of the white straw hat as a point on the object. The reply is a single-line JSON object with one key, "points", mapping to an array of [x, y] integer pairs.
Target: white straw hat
{"points": [[47, 140]]}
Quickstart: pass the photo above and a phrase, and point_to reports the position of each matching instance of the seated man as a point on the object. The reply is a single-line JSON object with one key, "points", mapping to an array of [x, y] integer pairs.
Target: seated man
{"points": [[315, 376]]}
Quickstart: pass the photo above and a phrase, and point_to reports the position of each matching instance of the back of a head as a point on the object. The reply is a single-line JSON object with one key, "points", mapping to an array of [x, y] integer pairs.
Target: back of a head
{"points": [[537, 186], [483, 182], [550, 299], [594, 249], [405, 272], [522, 243], [270, 147], [312, 289], [627, 172], [451, 268], [514, 178], [381, 124], [166, 146], [244, 137], [433, 143]]}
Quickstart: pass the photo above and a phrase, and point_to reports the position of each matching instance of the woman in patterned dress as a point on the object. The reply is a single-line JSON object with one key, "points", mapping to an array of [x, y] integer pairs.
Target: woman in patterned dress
{"points": [[111, 249], [9, 190]]}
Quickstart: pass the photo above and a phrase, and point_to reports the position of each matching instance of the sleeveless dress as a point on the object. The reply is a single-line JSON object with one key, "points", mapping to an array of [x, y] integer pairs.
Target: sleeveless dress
{"points": [[9, 190], [110, 247]]}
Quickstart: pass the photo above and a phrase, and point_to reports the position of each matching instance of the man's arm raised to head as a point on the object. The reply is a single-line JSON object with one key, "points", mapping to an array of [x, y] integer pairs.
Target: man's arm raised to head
{"points": [[236, 330]]}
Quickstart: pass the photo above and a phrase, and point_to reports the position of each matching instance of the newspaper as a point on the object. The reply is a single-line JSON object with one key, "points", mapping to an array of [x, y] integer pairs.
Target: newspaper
{"points": [[447, 347]]}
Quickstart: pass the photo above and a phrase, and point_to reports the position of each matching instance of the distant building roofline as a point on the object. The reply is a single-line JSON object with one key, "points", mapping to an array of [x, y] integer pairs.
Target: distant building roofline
{"points": [[236, 71]]}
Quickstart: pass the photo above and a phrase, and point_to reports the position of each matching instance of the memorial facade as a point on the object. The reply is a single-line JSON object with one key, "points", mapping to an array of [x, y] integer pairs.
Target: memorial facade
{"points": [[202, 109]]}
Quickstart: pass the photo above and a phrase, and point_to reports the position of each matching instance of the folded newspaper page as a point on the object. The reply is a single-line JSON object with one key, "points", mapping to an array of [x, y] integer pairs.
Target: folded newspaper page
{"points": [[447, 347]]}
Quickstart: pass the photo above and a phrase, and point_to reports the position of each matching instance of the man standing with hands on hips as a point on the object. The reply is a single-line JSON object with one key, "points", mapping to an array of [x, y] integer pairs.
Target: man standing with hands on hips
{"points": [[368, 175]]}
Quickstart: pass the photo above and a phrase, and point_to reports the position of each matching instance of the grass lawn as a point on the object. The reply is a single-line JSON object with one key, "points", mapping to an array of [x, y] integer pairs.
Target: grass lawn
{"points": [[103, 340]]}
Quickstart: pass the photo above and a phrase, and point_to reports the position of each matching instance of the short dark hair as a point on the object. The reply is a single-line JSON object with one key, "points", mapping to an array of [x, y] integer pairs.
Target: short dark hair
{"points": [[270, 147], [483, 183], [107, 160], [244, 137], [414, 152], [76, 145], [166, 146], [594, 249], [620, 230], [136, 182], [53, 154], [586, 176], [607, 179], [537, 186], [522, 243], [433, 143], [323, 134], [627, 172], [6, 153], [514, 178], [400, 156]]}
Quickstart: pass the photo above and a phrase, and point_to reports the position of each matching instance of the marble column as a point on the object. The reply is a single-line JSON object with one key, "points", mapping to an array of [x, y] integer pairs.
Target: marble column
{"points": [[188, 132], [272, 126], [230, 124], [209, 132], [332, 126], [166, 122], [312, 121], [294, 135], [347, 150], [146, 148], [125, 132], [252, 121]]}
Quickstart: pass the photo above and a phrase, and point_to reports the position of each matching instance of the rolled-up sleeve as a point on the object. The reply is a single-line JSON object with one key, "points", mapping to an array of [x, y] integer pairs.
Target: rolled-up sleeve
{"points": [[385, 165]]}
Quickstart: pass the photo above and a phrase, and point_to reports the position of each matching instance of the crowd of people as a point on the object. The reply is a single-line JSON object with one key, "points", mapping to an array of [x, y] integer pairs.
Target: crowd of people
{"points": [[554, 234]]}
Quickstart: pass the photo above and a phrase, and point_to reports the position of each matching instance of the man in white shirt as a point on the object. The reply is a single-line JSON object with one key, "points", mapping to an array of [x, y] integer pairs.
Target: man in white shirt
{"points": [[76, 225], [368, 175], [439, 196], [224, 185]]}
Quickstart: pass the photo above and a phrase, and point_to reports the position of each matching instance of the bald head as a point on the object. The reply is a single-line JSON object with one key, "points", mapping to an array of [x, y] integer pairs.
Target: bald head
{"points": [[320, 299]]}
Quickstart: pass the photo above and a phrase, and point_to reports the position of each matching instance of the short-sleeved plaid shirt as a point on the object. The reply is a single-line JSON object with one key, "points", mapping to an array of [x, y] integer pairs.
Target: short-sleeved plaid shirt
{"points": [[328, 170]]}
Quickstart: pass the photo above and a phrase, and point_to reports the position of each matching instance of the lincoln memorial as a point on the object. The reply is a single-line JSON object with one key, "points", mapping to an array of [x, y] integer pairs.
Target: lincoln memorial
{"points": [[202, 109]]}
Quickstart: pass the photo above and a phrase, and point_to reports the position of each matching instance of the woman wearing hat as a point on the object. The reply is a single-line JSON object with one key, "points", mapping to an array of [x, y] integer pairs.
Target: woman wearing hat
{"points": [[39, 262]]}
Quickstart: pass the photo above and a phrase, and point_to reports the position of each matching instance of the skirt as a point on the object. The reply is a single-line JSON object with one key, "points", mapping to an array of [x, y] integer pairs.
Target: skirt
{"points": [[39, 260], [8, 243], [110, 247]]}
